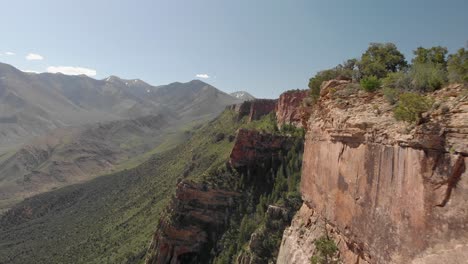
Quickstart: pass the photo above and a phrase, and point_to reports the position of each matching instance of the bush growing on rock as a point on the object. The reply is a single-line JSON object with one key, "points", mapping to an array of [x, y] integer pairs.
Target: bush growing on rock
{"points": [[325, 251], [316, 81], [370, 84], [397, 80], [347, 70], [421, 77], [383, 65], [411, 106], [427, 77], [457, 66], [391, 95]]}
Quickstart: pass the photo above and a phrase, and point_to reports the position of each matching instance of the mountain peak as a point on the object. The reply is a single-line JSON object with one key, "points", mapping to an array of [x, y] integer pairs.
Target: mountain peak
{"points": [[196, 81], [243, 95], [112, 78], [7, 68]]}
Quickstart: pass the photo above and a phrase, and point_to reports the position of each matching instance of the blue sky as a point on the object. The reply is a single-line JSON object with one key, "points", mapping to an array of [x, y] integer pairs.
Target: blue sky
{"points": [[263, 47]]}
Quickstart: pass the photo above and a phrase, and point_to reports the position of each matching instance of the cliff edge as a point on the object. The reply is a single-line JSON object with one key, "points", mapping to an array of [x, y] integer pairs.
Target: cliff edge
{"points": [[384, 190]]}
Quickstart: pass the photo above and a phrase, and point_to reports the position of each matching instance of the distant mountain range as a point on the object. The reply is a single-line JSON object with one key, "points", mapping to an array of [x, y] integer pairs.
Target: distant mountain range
{"points": [[32, 104], [242, 95], [57, 130]]}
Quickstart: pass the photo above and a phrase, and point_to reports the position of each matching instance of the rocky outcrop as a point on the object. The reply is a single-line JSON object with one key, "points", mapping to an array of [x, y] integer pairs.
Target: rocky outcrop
{"points": [[254, 109], [289, 108], [252, 147], [242, 109], [387, 191], [195, 218], [261, 107]]}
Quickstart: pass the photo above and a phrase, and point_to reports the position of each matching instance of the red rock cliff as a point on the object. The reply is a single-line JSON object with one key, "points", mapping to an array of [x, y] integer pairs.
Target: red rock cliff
{"points": [[197, 212], [386, 191], [252, 147], [288, 109], [254, 109], [261, 107]]}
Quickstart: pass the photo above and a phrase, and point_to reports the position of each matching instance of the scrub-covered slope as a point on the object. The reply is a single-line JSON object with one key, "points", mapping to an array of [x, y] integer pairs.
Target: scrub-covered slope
{"points": [[110, 219]]}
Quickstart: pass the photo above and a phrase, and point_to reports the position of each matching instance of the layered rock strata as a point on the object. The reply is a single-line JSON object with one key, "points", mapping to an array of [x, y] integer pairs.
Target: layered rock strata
{"points": [[387, 191], [195, 218]]}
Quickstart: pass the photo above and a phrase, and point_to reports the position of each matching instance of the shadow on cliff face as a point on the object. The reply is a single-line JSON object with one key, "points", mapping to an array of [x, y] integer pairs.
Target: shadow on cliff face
{"points": [[454, 179], [454, 176], [438, 169]]}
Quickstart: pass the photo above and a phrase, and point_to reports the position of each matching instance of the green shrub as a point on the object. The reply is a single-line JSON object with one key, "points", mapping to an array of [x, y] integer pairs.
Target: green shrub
{"points": [[428, 77], [346, 70], [421, 77], [391, 95], [397, 80], [316, 81], [411, 106], [457, 66], [325, 251], [370, 84]]}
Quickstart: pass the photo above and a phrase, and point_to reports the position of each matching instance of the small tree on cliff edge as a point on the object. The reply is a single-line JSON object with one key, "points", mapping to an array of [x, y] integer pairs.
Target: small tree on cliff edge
{"points": [[411, 106], [381, 59], [326, 250]]}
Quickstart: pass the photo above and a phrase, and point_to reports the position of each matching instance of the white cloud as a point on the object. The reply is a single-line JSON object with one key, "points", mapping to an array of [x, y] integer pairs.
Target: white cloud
{"points": [[34, 56], [70, 70], [202, 76], [9, 53], [30, 71]]}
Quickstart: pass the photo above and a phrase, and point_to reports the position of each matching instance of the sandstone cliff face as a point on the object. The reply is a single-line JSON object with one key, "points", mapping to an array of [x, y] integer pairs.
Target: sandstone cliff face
{"points": [[254, 109], [261, 107], [197, 214], [386, 191], [288, 109], [252, 147]]}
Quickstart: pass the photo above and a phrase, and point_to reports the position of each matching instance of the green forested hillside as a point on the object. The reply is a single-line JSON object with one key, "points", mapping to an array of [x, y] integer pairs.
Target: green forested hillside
{"points": [[110, 219]]}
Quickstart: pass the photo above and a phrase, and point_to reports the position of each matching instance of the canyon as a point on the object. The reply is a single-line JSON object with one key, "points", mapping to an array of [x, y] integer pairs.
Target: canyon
{"points": [[199, 213], [385, 191]]}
